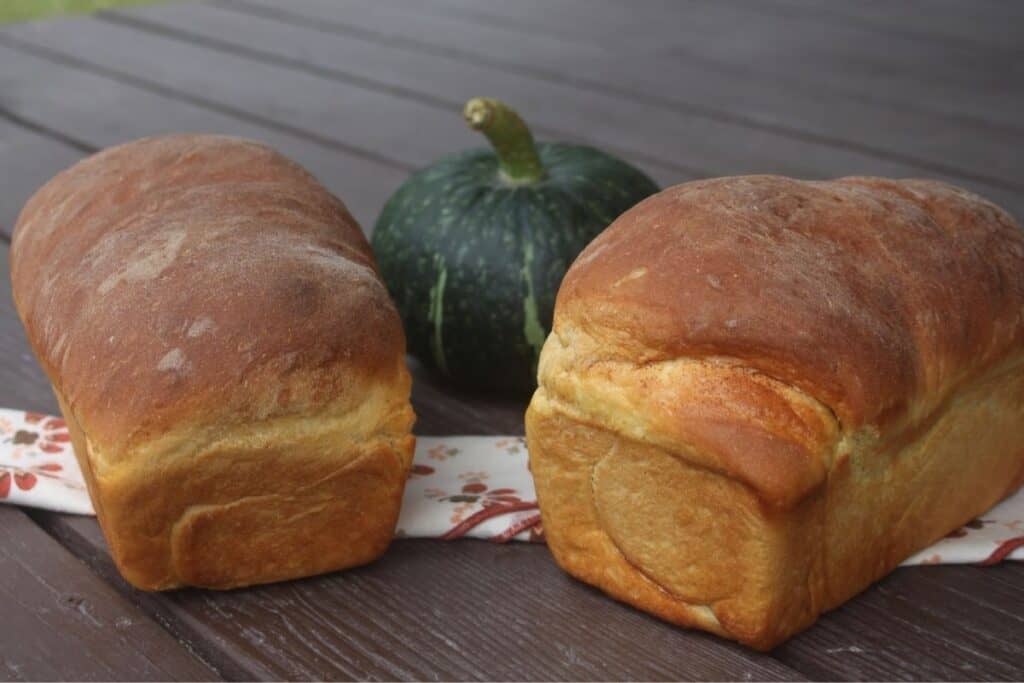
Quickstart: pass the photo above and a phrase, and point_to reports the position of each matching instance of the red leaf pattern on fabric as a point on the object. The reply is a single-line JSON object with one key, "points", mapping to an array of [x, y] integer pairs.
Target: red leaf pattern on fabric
{"points": [[422, 470], [506, 499], [25, 480], [1003, 551], [514, 529]]}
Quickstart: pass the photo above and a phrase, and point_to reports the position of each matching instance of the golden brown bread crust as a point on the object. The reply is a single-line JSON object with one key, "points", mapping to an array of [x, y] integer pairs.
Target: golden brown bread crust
{"points": [[761, 394], [207, 311], [875, 296]]}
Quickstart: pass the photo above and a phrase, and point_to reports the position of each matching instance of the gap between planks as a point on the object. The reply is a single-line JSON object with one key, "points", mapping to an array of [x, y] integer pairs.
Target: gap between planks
{"points": [[688, 108], [48, 52], [471, 13], [212, 105], [445, 104], [66, 623], [64, 530]]}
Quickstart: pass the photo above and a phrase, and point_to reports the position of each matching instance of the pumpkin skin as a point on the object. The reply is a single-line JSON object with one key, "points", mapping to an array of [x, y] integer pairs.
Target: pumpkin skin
{"points": [[474, 260]]}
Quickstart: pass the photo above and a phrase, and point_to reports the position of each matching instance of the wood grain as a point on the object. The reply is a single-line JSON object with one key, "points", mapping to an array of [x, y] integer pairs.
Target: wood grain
{"points": [[62, 622], [30, 158], [717, 147], [101, 111], [376, 124], [803, 114], [731, 39], [955, 622], [22, 383], [991, 27], [434, 610]]}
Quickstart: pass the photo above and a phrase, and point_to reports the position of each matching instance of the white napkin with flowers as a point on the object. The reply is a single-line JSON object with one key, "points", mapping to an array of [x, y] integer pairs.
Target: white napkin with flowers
{"points": [[474, 486]]}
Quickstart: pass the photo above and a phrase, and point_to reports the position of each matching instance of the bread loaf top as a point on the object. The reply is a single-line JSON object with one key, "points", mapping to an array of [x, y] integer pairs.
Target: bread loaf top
{"points": [[189, 279], [791, 312]]}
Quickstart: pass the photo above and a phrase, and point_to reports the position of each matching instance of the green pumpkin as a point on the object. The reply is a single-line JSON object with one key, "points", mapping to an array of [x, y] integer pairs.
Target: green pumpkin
{"points": [[474, 247]]}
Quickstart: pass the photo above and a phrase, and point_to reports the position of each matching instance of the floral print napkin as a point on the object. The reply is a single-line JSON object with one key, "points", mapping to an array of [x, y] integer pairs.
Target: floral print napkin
{"points": [[460, 486], [37, 465], [478, 486]]}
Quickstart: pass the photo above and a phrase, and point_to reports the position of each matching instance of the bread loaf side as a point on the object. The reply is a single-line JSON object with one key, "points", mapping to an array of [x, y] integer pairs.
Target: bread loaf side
{"points": [[762, 394], [230, 365]]}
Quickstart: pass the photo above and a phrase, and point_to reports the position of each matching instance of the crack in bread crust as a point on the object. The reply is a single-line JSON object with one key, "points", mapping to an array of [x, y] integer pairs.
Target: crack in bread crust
{"points": [[713, 412]]}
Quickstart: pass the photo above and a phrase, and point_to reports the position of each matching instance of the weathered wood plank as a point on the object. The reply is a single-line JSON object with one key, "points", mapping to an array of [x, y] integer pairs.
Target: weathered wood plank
{"points": [[738, 32], [377, 123], [995, 27], [28, 158], [727, 124], [936, 623], [801, 43], [100, 111], [367, 64], [22, 383], [942, 623], [432, 610], [597, 116], [978, 25], [714, 41], [442, 409], [241, 82], [62, 622]]}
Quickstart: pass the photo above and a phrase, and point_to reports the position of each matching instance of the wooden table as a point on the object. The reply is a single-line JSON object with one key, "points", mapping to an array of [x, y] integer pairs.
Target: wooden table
{"points": [[363, 92]]}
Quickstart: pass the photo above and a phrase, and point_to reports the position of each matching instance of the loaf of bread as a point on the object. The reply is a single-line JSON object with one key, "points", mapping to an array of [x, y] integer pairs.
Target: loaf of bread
{"points": [[229, 364], [761, 395]]}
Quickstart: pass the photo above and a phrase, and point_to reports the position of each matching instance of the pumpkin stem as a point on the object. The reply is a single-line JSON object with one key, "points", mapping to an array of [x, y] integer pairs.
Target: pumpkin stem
{"points": [[512, 140]]}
